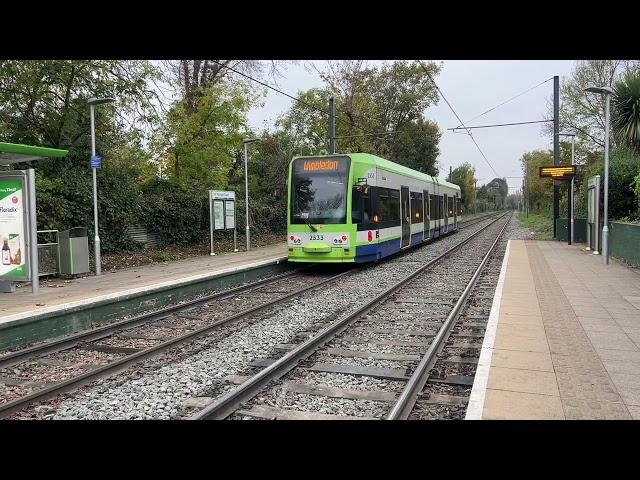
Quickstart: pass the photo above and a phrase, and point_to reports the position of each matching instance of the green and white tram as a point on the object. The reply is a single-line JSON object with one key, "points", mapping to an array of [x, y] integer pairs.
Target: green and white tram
{"points": [[361, 208]]}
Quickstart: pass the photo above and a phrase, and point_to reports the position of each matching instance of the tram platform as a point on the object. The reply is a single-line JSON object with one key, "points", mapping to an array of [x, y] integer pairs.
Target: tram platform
{"points": [[62, 307], [563, 338]]}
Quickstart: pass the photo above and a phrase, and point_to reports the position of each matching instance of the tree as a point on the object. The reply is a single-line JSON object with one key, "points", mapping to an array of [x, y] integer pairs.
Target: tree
{"points": [[378, 100], [198, 148], [378, 110], [44, 101], [498, 189], [626, 111], [464, 177], [415, 145], [512, 201], [195, 77], [539, 191], [306, 122], [583, 112]]}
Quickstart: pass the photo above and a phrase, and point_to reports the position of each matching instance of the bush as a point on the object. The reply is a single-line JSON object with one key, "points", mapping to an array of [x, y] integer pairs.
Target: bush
{"points": [[178, 215], [65, 200], [624, 168]]}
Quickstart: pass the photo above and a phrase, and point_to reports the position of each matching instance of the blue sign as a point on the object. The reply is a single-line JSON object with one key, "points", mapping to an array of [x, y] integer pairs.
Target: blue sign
{"points": [[96, 161]]}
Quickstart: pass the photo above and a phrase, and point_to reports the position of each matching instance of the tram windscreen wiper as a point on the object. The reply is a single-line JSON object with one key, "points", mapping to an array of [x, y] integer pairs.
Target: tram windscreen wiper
{"points": [[299, 214]]}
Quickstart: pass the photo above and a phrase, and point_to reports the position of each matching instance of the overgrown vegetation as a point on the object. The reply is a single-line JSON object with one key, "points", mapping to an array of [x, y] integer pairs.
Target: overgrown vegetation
{"points": [[540, 224]]}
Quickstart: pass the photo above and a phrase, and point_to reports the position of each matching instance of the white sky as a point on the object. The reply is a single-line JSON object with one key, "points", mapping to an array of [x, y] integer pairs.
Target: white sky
{"points": [[471, 87]]}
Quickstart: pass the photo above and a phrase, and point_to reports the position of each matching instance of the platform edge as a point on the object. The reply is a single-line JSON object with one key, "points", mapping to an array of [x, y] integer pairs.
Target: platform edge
{"points": [[475, 407]]}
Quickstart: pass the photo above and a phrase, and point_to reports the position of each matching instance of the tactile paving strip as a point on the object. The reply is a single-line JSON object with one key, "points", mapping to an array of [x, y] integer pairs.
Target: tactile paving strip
{"points": [[586, 390]]}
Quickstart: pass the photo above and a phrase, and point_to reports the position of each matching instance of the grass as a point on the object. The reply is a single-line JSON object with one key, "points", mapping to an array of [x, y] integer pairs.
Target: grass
{"points": [[540, 224]]}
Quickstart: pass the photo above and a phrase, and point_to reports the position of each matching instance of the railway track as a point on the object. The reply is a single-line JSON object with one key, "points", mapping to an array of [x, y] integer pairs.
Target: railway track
{"points": [[389, 345], [124, 343], [70, 362]]}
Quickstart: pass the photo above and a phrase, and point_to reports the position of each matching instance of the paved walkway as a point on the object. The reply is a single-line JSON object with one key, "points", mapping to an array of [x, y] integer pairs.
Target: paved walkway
{"points": [[80, 291], [563, 340]]}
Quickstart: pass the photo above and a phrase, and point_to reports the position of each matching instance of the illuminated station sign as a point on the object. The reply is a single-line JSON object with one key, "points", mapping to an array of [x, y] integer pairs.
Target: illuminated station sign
{"points": [[559, 172]]}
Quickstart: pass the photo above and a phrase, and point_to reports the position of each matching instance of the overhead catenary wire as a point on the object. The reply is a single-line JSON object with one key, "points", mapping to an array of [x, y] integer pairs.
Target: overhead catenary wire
{"points": [[458, 117], [500, 125], [302, 102], [507, 101]]}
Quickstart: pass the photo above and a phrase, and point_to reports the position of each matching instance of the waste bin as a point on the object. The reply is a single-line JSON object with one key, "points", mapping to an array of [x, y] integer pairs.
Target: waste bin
{"points": [[74, 251]]}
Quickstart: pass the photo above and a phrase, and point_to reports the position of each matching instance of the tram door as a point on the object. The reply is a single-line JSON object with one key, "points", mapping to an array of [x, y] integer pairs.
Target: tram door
{"points": [[426, 215], [455, 211], [446, 213], [405, 217]]}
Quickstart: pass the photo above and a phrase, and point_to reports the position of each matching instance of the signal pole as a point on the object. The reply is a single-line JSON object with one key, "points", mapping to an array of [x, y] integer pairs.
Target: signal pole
{"points": [[475, 191], [556, 149], [332, 126]]}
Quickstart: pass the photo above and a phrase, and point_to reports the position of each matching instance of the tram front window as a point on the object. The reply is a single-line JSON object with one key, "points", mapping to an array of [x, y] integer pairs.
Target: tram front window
{"points": [[319, 190]]}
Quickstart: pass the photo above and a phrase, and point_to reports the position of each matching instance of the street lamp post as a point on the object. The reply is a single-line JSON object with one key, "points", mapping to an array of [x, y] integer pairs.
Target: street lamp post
{"points": [[607, 92], [96, 239], [246, 141], [571, 196]]}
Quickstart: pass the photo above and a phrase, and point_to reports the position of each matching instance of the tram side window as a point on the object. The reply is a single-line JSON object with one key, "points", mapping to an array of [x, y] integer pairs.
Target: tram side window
{"points": [[388, 208], [361, 211], [450, 205], [416, 207]]}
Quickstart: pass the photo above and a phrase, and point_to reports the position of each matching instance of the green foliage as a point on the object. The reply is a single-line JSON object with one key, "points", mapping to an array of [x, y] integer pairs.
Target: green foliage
{"points": [[512, 202], [177, 214], [497, 191], [199, 147], [625, 116], [305, 124], [583, 112], [464, 177], [623, 168], [387, 101], [65, 200], [538, 191], [542, 225], [43, 102], [415, 145]]}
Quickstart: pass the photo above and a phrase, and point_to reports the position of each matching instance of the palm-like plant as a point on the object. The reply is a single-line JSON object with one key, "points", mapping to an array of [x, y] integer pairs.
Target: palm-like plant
{"points": [[626, 110]]}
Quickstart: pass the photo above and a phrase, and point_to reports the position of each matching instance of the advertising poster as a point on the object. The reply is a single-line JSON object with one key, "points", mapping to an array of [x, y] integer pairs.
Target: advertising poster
{"points": [[13, 229]]}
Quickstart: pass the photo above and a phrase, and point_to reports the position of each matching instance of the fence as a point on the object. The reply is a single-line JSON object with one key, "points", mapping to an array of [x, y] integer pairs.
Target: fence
{"points": [[624, 238], [49, 253], [624, 242]]}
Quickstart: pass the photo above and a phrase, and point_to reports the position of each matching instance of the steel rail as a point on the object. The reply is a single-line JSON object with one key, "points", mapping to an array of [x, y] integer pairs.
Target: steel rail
{"points": [[76, 339], [73, 340], [409, 395], [117, 366], [225, 405]]}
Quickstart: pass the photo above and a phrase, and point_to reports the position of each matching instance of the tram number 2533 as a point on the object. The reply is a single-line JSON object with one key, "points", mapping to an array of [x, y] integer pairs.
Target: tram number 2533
{"points": [[316, 237]]}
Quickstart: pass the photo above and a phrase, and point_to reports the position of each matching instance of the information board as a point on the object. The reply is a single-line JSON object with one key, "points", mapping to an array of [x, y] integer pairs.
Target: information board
{"points": [[230, 214], [218, 214], [13, 227], [559, 172], [223, 209]]}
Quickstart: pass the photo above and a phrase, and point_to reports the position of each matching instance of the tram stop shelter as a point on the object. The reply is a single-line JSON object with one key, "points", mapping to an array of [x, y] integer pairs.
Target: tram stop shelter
{"points": [[18, 225]]}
